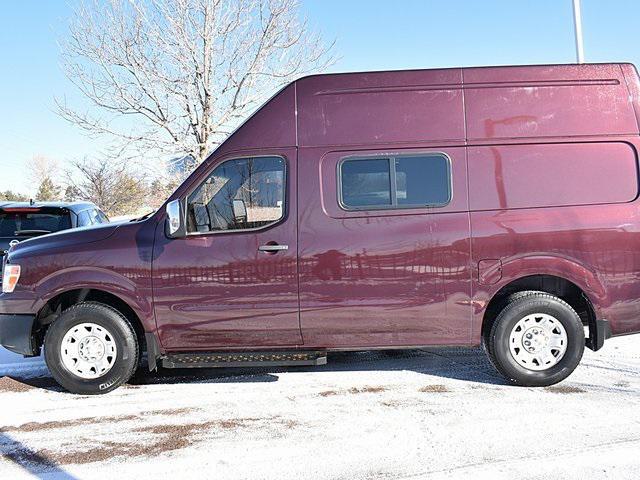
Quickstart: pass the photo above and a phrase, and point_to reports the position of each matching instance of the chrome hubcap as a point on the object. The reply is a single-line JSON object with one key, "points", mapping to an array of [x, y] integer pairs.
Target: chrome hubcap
{"points": [[88, 350], [538, 341]]}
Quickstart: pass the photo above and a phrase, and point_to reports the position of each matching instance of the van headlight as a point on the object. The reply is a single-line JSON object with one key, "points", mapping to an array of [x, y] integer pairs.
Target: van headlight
{"points": [[10, 277]]}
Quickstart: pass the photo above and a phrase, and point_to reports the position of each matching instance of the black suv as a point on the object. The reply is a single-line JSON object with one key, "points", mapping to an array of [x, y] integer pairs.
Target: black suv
{"points": [[23, 220]]}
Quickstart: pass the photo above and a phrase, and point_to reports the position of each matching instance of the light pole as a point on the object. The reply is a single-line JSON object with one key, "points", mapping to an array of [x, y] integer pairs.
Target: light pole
{"points": [[577, 27]]}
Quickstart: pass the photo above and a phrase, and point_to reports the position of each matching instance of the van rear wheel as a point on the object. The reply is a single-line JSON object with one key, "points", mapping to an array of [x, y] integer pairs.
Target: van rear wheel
{"points": [[536, 340], [91, 349]]}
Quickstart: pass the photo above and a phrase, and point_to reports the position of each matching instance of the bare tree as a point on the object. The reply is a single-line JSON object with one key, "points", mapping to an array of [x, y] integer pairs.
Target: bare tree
{"points": [[174, 77], [44, 172], [41, 167], [108, 184]]}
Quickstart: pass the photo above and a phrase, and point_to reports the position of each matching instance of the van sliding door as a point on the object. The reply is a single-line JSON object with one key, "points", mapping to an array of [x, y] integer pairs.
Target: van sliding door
{"points": [[384, 247]]}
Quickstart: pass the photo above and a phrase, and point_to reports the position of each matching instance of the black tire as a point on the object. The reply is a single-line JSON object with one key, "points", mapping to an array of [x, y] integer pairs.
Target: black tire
{"points": [[519, 306], [116, 324]]}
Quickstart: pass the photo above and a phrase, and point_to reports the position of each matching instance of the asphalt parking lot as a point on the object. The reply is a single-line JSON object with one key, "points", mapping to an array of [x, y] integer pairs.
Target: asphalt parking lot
{"points": [[432, 413]]}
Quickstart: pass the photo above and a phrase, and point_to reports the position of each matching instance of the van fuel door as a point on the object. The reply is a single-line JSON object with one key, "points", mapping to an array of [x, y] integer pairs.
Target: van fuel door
{"points": [[489, 271]]}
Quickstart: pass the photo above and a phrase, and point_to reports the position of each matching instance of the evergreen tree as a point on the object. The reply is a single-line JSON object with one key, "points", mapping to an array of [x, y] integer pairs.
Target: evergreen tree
{"points": [[47, 191]]}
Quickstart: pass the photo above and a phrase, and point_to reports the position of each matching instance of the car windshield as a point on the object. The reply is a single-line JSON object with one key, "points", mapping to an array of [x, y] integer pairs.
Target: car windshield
{"points": [[15, 224]]}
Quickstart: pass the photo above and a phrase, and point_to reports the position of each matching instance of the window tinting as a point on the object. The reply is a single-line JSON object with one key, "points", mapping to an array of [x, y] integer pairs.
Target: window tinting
{"points": [[8, 225], [239, 194], [420, 180], [84, 219], [366, 183], [15, 224]]}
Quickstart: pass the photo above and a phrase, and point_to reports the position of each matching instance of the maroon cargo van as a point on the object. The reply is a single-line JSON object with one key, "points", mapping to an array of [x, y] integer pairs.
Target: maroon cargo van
{"points": [[385, 210]]}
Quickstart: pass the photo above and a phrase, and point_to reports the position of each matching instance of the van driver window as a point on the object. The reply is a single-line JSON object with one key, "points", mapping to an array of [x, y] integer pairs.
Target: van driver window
{"points": [[241, 194], [402, 181]]}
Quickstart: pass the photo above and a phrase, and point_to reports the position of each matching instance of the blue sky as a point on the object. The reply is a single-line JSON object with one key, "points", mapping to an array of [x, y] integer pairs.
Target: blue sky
{"points": [[369, 34]]}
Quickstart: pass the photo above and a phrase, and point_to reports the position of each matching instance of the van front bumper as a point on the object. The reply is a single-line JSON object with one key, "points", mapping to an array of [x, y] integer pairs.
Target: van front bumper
{"points": [[16, 334]]}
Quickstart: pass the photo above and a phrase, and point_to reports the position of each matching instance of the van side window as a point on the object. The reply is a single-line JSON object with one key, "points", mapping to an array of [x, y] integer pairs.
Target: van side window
{"points": [[403, 181], [366, 183], [240, 194]]}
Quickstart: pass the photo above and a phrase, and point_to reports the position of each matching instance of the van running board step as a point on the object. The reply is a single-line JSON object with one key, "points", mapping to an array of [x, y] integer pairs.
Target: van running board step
{"points": [[243, 359]]}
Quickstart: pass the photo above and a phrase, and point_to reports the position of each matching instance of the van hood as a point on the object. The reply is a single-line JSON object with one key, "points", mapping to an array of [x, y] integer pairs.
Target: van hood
{"points": [[66, 238]]}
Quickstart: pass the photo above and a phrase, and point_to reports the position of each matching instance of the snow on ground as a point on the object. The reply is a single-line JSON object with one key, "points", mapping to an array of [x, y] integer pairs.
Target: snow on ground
{"points": [[432, 413]]}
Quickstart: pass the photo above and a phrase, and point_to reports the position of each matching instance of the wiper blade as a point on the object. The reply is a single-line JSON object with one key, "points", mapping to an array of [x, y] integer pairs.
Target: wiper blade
{"points": [[31, 232]]}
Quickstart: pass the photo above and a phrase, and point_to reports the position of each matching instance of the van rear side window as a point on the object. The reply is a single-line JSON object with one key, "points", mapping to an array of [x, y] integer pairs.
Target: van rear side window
{"points": [[366, 183], [404, 181]]}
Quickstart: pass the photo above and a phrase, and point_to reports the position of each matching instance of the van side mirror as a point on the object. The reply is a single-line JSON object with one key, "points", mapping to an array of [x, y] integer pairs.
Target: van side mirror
{"points": [[175, 220]]}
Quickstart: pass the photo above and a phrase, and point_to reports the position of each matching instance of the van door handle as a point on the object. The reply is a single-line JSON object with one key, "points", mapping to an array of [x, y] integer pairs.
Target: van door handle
{"points": [[273, 248]]}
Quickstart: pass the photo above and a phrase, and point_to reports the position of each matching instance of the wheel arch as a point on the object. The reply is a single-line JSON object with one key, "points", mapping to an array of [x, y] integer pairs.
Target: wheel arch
{"points": [[569, 291], [55, 305]]}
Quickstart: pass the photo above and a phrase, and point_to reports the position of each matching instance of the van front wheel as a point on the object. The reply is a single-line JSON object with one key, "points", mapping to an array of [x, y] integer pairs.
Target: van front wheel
{"points": [[91, 349], [536, 340]]}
